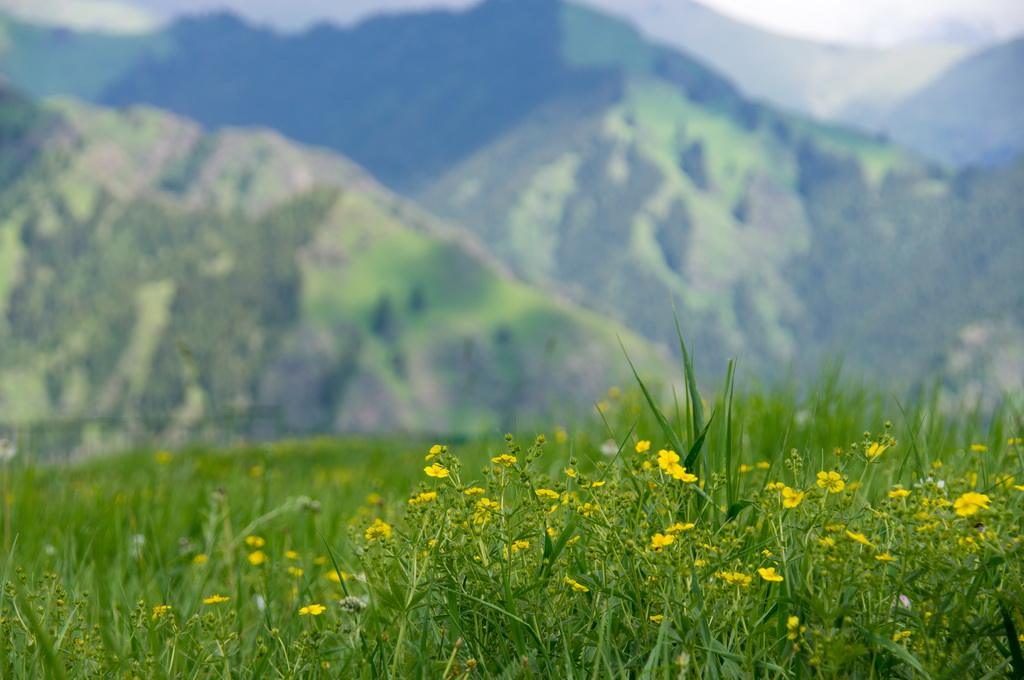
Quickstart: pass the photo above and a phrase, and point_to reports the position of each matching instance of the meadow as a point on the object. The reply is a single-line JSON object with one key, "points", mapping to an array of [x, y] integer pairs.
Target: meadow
{"points": [[826, 532]]}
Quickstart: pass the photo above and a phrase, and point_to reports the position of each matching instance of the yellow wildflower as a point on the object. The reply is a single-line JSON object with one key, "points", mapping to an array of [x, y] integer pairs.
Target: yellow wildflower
{"points": [[656, 618], [255, 541], [679, 527], [575, 585], [793, 627], [979, 448], [679, 472], [1015, 441], [215, 599], [762, 465], [643, 446], [831, 481], [659, 541], [875, 450], [505, 459], [791, 497], [885, 557], [435, 451], [336, 576], [768, 574], [744, 469], [378, 530], [257, 557], [667, 458], [569, 472], [160, 610], [734, 578], [425, 497], [296, 572], [860, 538], [201, 558], [520, 545], [898, 492], [775, 486], [474, 491], [436, 470], [827, 541], [547, 493], [312, 610], [970, 503], [291, 555], [901, 635]]}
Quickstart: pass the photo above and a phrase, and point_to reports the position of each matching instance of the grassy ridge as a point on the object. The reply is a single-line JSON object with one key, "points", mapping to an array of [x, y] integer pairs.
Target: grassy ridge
{"points": [[793, 543]]}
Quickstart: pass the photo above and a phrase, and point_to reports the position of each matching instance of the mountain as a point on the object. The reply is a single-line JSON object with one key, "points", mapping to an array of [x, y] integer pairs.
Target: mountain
{"points": [[149, 269], [626, 177], [970, 114], [855, 85]]}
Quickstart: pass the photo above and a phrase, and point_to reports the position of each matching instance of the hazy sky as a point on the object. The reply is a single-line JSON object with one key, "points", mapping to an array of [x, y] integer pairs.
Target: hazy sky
{"points": [[876, 22]]}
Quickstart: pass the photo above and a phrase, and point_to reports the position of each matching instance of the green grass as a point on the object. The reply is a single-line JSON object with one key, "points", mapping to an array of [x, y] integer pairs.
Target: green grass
{"points": [[575, 560]]}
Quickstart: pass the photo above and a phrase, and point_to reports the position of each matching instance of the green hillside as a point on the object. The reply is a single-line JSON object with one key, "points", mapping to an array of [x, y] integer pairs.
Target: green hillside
{"points": [[969, 114], [149, 268]]}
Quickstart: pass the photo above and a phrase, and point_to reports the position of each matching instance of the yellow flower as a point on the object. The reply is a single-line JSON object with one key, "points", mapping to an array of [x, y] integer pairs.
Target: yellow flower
{"points": [[575, 585], [474, 491], [425, 497], [551, 532], [762, 465], [215, 599], [827, 541], [775, 486], [434, 451], [791, 497], [587, 509], [594, 485], [1015, 441], [979, 448], [312, 610], [297, 572], [656, 618], [505, 459], [378, 530], [547, 493], [898, 492], [336, 576], [744, 469], [163, 457], [667, 458], [520, 545], [436, 470], [320, 560], [1019, 487], [254, 542], [679, 472], [970, 503], [885, 557], [700, 563], [679, 528], [643, 446], [734, 578], [875, 450], [901, 635], [291, 555], [860, 538], [831, 481], [160, 610], [561, 436], [793, 627], [659, 541], [569, 472], [484, 508], [257, 557], [201, 558], [768, 574]]}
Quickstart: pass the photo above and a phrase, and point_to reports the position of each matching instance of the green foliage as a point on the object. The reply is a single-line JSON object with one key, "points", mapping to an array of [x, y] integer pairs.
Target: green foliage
{"points": [[816, 539]]}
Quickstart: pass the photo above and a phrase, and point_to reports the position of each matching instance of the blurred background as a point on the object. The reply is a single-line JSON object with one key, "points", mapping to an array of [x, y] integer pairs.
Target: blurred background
{"points": [[278, 218]]}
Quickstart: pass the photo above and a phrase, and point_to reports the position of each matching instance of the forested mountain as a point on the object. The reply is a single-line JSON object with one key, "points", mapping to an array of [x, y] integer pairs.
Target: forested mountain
{"points": [[628, 177], [148, 268]]}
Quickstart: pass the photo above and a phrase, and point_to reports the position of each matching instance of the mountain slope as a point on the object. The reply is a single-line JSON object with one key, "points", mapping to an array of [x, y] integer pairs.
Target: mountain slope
{"points": [[969, 114], [149, 268], [851, 84]]}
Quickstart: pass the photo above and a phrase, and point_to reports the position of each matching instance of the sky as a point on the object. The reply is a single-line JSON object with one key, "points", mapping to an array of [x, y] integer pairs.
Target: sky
{"points": [[864, 22]]}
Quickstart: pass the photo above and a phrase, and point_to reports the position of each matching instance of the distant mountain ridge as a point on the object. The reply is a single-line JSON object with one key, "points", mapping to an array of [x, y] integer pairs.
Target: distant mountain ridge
{"points": [[149, 268]]}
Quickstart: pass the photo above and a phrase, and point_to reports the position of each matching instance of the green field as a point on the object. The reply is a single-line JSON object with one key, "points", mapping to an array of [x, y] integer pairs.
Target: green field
{"points": [[755, 534]]}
